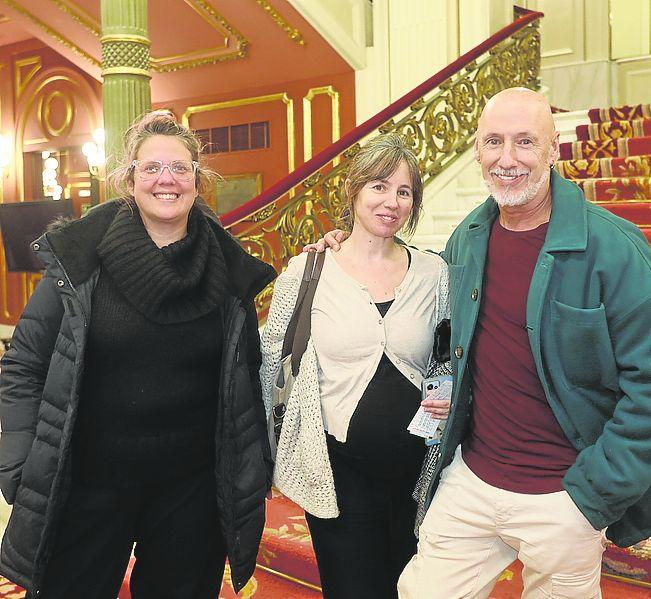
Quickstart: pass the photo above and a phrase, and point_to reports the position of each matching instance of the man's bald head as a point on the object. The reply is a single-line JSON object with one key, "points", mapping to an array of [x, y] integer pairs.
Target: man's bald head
{"points": [[520, 100]]}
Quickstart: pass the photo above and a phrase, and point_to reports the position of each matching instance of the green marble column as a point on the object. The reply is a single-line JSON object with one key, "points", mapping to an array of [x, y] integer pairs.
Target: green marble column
{"points": [[125, 69]]}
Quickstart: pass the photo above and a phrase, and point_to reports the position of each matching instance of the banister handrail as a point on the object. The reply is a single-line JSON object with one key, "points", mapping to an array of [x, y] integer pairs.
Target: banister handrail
{"points": [[438, 121], [282, 186]]}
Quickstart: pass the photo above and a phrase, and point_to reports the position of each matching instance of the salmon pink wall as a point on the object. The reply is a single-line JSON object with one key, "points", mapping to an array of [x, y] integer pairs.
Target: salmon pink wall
{"points": [[272, 163]]}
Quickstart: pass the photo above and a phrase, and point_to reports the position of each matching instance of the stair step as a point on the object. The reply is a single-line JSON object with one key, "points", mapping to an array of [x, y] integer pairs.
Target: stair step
{"points": [[286, 543], [619, 113], [638, 212], [616, 189], [636, 146], [268, 584], [614, 130], [605, 148], [629, 166]]}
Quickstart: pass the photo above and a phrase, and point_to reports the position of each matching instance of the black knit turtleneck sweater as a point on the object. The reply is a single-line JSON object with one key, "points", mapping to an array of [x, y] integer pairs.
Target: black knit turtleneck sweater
{"points": [[152, 362]]}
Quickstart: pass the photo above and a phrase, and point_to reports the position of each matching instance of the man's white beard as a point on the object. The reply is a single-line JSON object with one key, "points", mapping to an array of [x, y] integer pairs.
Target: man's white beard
{"points": [[506, 197]]}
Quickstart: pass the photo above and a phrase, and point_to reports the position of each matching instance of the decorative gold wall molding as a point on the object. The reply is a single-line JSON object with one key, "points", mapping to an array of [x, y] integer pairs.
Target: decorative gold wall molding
{"points": [[53, 33], [24, 71], [307, 117], [27, 282], [209, 55], [3, 288], [185, 60], [77, 13], [292, 33], [4, 300], [213, 18], [20, 142], [44, 113], [282, 97]]}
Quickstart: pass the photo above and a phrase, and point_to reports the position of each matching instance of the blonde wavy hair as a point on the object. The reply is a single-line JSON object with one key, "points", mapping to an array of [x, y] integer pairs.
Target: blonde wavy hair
{"points": [[156, 122]]}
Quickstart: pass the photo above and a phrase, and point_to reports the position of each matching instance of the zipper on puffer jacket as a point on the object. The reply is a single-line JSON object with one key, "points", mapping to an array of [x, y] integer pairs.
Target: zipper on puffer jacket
{"points": [[74, 290]]}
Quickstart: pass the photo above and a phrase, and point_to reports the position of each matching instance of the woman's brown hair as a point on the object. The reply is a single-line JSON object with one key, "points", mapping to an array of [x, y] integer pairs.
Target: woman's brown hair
{"points": [[378, 159]]}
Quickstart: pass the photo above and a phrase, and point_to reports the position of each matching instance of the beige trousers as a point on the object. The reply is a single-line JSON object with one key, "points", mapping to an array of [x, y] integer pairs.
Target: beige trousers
{"points": [[472, 531]]}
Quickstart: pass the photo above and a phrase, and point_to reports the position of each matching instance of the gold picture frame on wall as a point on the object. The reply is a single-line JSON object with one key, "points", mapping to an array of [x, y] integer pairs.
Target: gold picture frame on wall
{"points": [[232, 191]]}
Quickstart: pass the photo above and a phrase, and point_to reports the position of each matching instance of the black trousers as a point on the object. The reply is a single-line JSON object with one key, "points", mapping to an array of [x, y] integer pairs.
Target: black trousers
{"points": [[179, 548], [362, 553]]}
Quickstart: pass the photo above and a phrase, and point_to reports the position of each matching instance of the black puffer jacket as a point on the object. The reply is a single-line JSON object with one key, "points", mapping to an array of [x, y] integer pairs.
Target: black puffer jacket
{"points": [[39, 397]]}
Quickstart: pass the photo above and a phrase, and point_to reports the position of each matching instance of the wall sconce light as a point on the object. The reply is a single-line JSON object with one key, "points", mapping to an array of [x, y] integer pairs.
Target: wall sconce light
{"points": [[96, 159]]}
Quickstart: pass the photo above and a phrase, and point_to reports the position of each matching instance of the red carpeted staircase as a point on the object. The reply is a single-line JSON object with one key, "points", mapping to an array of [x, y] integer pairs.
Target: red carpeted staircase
{"points": [[611, 161]]}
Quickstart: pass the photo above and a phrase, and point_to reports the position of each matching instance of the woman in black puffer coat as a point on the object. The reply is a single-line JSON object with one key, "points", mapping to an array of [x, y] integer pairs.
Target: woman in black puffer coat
{"points": [[130, 403]]}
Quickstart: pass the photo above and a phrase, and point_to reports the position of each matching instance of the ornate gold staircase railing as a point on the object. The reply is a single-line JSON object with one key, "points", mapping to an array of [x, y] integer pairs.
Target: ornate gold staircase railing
{"points": [[438, 118]]}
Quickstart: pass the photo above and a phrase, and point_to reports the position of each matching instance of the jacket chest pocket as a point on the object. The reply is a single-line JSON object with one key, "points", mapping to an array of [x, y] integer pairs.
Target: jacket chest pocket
{"points": [[584, 347]]}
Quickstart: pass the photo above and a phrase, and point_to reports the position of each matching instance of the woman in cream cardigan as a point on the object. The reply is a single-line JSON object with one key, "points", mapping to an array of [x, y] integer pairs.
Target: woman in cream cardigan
{"points": [[344, 454]]}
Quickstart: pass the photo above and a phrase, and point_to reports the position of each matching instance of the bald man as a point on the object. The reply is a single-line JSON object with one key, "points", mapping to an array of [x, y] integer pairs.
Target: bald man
{"points": [[547, 449]]}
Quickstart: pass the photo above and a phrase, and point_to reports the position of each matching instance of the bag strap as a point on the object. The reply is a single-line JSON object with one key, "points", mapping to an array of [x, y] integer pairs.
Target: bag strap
{"points": [[302, 290], [304, 320]]}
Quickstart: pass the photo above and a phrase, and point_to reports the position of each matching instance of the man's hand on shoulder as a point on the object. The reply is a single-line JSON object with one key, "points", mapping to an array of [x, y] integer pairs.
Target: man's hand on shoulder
{"points": [[332, 239]]}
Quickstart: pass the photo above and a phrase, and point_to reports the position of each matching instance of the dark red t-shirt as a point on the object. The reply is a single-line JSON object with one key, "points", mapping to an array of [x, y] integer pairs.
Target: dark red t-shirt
{"points": [[515, 442]]}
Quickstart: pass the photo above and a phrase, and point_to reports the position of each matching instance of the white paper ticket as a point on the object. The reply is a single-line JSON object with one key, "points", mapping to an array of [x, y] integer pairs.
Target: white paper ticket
{"points": [[424, 424]]}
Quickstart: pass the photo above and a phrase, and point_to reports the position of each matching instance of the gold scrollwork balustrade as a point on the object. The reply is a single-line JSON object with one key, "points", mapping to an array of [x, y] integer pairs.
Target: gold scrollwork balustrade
{"points": [[440, 127]]}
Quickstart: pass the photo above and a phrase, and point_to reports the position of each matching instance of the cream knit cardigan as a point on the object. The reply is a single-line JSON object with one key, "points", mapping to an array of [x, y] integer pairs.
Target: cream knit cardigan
{"points": [[303, 472]]}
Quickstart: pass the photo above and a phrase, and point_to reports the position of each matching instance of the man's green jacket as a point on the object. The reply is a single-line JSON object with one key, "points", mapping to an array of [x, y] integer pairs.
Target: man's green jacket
{"points": [[589, 326]]}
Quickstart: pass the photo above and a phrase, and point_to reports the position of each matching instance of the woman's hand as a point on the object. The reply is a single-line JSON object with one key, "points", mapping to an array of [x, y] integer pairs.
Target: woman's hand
{"points": [[439, 408], [331, 239]]}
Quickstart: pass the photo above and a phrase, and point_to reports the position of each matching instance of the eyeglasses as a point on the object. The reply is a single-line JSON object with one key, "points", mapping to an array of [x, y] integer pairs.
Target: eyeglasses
{"points": [[181, 170]]}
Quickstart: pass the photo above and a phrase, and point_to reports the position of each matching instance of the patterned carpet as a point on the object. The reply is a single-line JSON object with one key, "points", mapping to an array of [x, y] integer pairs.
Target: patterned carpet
{"points": [[611, 161]]}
